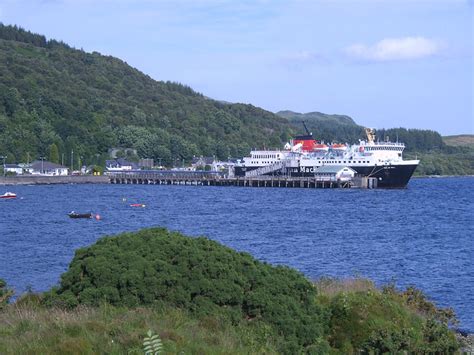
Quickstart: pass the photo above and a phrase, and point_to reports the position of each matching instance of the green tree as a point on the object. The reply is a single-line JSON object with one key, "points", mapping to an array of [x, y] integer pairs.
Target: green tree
{"points": [[54, 153]]}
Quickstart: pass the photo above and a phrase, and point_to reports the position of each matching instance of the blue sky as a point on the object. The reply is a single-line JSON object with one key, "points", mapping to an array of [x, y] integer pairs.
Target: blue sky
{"points": [[385, 63]]}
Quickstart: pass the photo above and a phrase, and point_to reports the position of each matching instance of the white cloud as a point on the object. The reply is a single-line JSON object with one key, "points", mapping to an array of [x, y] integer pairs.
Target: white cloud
{"points": [[392, 49]]}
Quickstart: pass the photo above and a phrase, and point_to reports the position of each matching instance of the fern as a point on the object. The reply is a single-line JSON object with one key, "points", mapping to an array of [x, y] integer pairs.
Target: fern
{"points": [[152, 344]]}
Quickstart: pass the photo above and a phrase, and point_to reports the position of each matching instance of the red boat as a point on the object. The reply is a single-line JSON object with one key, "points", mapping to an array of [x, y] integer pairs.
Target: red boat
{"points": [[137, 205], [8, 195]]}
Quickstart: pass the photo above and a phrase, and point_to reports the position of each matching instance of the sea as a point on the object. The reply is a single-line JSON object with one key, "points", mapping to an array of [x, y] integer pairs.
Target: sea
{"points": [[422, 235]]}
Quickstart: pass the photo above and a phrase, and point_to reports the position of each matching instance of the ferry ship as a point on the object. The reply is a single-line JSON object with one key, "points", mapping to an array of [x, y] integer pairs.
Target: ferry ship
{"points": [[303, 155]]}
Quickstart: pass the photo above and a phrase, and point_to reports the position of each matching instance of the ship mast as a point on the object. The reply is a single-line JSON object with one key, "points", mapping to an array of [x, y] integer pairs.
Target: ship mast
{"points": [[370, 132], [307, 130]]}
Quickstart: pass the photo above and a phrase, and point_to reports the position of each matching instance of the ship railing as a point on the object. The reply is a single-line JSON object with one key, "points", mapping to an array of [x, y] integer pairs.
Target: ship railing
{"points": [[174, 174], [396, 144]]}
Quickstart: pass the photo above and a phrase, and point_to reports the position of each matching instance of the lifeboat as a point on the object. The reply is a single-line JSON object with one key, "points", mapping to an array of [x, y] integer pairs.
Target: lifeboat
{"points": [[319, 147], [137, 205], [338, 147], [8, 195]]}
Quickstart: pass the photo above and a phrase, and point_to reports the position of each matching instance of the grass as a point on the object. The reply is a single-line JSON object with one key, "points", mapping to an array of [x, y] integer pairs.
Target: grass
{"points": [[28, 328], [463, 140]]}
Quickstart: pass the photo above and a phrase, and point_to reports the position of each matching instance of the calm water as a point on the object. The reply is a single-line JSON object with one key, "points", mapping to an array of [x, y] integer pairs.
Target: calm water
{"points": [[422, 235]]}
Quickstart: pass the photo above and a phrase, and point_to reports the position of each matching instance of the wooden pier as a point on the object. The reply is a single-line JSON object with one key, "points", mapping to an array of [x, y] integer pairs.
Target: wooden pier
{"points": [[219, 179]]}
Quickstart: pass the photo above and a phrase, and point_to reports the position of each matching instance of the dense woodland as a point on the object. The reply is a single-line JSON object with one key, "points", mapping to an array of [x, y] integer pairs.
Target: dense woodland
{"points": [[87, 102], [55, 99]]}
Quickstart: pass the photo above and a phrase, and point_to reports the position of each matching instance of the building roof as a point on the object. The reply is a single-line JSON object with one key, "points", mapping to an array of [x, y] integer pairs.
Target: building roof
{"points": [[45, 165], [203, 160], [12, 166], [334, 169]]}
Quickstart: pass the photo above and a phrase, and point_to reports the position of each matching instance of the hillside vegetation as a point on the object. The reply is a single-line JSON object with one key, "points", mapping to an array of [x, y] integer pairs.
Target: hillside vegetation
{"points": [[202, 297], [51, 93], [461, 140]]}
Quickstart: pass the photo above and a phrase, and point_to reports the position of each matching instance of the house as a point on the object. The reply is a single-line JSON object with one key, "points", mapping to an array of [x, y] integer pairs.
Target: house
{"points": [[211, 163], [335, 173], [200, 163], [12, 169], [47, 168], [120, 164]]}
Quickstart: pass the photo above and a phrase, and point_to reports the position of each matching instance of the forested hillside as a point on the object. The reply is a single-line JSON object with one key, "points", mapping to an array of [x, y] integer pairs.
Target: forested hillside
{"points": [[52, 94]]}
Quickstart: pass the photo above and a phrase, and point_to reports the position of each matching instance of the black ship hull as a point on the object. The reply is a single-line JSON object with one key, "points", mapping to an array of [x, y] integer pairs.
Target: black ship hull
{"points": [[388, 176]]}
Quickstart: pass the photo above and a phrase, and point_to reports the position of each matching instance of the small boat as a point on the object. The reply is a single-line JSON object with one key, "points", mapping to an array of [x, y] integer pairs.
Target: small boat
{"points": [[79, 215], [137, 205], [8, 195]]}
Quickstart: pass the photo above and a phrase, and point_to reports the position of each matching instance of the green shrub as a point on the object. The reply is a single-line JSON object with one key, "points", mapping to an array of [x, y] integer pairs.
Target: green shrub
{"points": [[371, 321], [156, 266], [5, 294]]}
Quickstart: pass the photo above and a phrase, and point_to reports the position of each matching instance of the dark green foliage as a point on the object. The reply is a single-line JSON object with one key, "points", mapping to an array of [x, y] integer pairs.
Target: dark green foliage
{"points": [[53, 153], [155, 266], [388, 322], [87, 102], [457, 162], [5, 294]]}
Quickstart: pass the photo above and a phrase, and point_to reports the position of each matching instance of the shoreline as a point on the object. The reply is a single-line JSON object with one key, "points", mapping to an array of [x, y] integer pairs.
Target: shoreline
{"points": [[52, 180]]}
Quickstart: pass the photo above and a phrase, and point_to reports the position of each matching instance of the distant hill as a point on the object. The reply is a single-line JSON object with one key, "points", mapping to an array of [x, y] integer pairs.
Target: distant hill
{"points": [[461, 140], [325, 127], [52, 94], [317, 117]]}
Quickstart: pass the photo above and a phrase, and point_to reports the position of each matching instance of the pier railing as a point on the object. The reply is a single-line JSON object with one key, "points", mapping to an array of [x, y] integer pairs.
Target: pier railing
{"points": [[203, 178]]}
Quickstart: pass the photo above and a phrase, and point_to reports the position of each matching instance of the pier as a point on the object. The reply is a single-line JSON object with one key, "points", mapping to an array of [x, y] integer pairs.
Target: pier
{"points": [[195, 178], [220, 179]]}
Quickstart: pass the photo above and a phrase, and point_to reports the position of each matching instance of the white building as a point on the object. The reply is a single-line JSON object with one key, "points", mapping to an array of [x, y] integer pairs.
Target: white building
{"points": [[120, 164], [12, 169], [46, 168]]}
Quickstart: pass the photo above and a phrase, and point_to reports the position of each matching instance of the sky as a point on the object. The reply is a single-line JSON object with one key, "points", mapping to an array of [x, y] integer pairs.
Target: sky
{"points": [[385, 63]]}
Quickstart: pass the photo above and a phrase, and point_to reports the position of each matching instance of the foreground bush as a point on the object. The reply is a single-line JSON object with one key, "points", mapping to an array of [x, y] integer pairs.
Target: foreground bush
{"points": [[366, 319], [154, 267]]}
